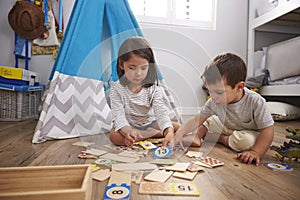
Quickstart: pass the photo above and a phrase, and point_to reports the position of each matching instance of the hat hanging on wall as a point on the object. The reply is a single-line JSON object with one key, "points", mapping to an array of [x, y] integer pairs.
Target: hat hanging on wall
{"points": [[27, 20]]}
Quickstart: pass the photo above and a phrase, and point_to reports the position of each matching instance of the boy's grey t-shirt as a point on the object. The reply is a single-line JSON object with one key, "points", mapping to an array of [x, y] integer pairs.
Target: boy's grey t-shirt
{"points": [[250, 113]]}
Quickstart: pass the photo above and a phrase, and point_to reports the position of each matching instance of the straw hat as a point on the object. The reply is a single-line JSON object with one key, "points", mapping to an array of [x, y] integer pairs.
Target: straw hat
{"points": [[27, 20]]}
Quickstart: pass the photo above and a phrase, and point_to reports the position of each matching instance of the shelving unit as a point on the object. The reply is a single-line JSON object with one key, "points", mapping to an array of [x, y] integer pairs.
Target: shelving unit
{"points": [[279, 24]]}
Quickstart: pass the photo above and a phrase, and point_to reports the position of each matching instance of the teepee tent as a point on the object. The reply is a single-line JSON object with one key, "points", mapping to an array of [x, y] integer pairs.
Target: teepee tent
{"points": [[76, 104]]}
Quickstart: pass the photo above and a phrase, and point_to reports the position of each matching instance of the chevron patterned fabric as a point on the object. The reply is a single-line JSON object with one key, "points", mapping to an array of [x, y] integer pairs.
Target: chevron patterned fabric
{"points": [[75, 104], [74, 107]]}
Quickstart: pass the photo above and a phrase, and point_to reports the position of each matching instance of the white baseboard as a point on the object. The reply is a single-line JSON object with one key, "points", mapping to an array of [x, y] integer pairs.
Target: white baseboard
{"points": [[189, 110]]}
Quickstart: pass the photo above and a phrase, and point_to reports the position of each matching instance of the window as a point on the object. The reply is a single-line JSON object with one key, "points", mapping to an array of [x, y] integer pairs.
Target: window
{"points": [[198, 13]]}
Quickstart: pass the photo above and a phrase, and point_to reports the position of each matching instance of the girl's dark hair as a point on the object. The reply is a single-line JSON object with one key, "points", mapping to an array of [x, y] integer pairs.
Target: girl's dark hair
{"points": [[228, 66], [140, 47]]}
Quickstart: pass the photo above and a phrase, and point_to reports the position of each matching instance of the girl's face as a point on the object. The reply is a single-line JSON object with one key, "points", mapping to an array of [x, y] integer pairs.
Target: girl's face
{"points": [[136, 69], [222, 93]]}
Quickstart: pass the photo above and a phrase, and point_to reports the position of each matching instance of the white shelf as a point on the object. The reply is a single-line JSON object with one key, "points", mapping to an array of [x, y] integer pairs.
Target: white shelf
{"points": [[283, 8], [280, 90]]}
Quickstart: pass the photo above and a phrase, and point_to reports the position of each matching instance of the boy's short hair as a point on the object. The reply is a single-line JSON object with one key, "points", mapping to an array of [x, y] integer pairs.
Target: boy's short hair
{"points": [[228, 66]]}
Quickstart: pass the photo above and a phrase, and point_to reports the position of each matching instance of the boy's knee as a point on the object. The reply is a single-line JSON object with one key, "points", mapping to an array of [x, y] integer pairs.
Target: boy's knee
{"points": [[242, 140]]}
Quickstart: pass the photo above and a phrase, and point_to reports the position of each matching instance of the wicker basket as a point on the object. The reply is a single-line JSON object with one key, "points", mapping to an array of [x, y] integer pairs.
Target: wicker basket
{"points": [[19, 103]]}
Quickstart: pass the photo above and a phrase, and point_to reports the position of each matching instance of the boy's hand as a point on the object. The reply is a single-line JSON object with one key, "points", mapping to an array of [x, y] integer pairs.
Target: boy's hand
{"points": [[249, 157]]}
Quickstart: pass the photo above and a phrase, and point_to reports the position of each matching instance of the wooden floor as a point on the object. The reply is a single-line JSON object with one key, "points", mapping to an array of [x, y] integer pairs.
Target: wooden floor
{"points": [[234, 180]]}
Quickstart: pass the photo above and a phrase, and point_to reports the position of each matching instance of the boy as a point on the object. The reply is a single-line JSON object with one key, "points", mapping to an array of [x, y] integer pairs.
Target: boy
{"points": [[248, 125]]}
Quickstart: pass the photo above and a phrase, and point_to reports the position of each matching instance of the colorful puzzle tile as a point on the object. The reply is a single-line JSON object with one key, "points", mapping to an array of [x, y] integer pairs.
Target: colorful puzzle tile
{"points": [[162, 152], [212, 162], [278, 166], [118, 186], [104, 161], [195, 168], [147, 145]]}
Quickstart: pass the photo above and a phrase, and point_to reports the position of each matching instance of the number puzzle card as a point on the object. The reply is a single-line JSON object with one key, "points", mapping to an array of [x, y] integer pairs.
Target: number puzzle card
{"points": [[118, 186], [278, 166], [212, 162], [182, 189], [162, 152]]}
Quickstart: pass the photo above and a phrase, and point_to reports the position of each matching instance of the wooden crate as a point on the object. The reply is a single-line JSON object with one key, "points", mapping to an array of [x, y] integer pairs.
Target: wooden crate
{"points": [[66, 182]]}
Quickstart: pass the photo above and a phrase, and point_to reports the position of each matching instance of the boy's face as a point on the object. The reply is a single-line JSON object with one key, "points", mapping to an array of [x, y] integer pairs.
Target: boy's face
{"points": [[223, 94]]}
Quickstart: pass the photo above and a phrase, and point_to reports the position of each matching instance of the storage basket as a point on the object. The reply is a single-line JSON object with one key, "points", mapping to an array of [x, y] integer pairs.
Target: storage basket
{"points": [[19, 102]]}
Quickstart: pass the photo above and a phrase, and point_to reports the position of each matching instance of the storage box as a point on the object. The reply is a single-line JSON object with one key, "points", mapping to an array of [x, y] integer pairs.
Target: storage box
{"points": [[18, 76], [19, 102], [64, 182]]}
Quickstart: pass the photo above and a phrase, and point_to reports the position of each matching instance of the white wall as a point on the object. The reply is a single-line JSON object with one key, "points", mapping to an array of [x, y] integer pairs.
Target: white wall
{"points": [[181, 52]]}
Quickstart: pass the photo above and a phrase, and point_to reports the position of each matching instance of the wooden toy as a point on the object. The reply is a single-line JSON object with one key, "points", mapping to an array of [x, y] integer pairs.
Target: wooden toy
{"points": [[185, 175], [46, 182], [119, 158], [133, 166], [101, 174], [195, 154], [158, 175], [180, 166], [163, 161]]}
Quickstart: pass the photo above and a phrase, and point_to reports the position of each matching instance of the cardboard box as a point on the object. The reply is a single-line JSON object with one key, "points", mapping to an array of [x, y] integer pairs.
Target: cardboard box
{"points": [[63, 182], [18, 76]]}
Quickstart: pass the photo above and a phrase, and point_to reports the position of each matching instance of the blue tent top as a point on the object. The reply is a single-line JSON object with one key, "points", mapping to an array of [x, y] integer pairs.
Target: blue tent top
{"points": [[96, 29]]}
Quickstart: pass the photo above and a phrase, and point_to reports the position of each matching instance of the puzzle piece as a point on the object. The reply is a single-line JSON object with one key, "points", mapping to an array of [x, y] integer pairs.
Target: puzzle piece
{"points": [[196, 154], [189, 189], [278, 166], [147, 145], [162, 152], [118, 186], [117, 192], [158, 175], [212, 162]]}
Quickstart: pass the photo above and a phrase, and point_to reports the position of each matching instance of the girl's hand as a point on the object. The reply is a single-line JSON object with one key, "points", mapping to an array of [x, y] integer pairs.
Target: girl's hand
{"points": [[129, 140], [249, 157], [169, 137], [178, 139]]}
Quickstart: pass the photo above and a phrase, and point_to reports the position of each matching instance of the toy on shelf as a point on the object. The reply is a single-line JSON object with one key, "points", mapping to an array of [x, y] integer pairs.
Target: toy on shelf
{"points": [[295, 133], [289, 149]]}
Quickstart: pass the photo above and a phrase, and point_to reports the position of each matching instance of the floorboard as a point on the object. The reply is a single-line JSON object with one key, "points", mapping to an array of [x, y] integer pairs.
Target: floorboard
{"points": [[234, 180]]}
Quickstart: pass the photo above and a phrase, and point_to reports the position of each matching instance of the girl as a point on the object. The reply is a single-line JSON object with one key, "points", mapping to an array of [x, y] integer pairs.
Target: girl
{"points": [[136, 100]]}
